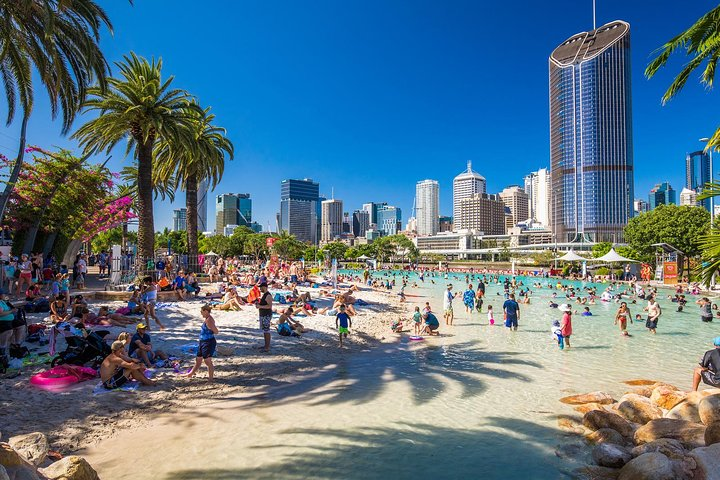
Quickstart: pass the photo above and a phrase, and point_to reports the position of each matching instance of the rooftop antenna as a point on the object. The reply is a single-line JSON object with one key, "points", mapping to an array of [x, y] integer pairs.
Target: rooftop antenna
{"points": [[594, 25], [470, 163], [332, 193]]}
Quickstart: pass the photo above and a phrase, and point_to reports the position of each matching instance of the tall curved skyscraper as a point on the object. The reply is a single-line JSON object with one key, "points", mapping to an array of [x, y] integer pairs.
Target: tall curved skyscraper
{"points": [[591, 153]]}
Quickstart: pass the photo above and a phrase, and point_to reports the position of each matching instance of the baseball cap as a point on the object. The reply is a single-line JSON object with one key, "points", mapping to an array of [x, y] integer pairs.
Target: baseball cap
{"points": [[141, 326], [716, 341], [262, 284]]}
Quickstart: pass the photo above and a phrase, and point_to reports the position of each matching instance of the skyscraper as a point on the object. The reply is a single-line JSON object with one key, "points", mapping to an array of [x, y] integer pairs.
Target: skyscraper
{"points": [[202, 194], [483, 212], [361, 222], [427, 207], [465, 185], [372, 209], [640, 206], [332, 220], [300, 209], [180, 219], [591, 152], [661, 194], [389, 220], [232, 209], [688, 197], [697, 173], [516, 200], [537, 187]]}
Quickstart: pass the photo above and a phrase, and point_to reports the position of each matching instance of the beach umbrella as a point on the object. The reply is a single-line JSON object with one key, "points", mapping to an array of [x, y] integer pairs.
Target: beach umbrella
{"points": [[613, 257], [571, 256], [363, 257], [211, 254]]}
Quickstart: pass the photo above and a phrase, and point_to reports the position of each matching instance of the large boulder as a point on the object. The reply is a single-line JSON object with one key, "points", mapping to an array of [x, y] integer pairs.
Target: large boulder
{"points": [[694, 398], [70, 468], [609, 455], [684, 411], [689, 434], [640, 382], [16, 467], [648, 466], [598, 419], [588, 407], [33, 447], [595, 472], [593, 397], [571, 423], [708, 462], [712, 434], [605, 435], [667, 446], [666, 397], [638, 409], [709, 409]]}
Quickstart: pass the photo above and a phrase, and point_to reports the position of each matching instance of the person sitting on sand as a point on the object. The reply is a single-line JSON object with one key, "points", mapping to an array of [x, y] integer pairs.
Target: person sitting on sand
{"points": [[77, 306], [125, 338], [116, 372], [58, 309], [287, 325], [348, 308], [231, 301], [33, 292], [431, 324], [89, 318], [709, 369], [178, 285], [118, 318], [141, 347], [134, 303]]}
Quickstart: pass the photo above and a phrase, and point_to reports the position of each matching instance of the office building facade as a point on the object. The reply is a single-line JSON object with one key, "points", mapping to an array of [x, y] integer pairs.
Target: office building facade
{"points": [[591, 148], [360, 222], [427, 207], [484, 213], [389, 220], [180, 220], [300, 209], [517, 202], [640, 206], [332, 220], [537, 187], [697, 174], [661, 194], [465, 185], [232, 209], [688, 197]]}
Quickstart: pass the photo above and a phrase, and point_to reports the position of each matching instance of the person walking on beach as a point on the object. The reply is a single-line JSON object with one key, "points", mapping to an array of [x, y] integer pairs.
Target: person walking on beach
{"points": [[654, 313], [206, 344], [566, 323], [511, 311], [264, 306], [343, 324], [621, 317], [448, 305]]}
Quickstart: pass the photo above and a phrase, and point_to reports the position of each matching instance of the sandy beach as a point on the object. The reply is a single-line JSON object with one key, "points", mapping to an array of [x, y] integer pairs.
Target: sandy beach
{"points": [[76, 418]]}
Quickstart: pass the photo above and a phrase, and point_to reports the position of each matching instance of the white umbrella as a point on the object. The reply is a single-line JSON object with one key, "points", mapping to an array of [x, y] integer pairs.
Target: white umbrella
{"points": [[571, 256], [612, 257], [363, 257], [211, 254]]}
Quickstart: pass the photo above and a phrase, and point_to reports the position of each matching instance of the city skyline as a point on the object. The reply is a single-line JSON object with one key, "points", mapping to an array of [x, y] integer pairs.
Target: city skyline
{"points": [[439, 99]]}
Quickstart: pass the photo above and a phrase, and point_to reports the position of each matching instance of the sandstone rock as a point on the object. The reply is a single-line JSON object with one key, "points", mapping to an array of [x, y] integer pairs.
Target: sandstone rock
{"points": [[593, 397], [571, 423], [598, 419], [9, 457], [605, 435], [708, 462], [648, 466], [712, 434], [670, 448], [588, 407], [666, 397], [684, 411], [609, 455], [645, 390], [594, 472], [33, 447], [640, 382], [689, 434], [693, 398], [638, 409], [709, 409], [70, 468]]}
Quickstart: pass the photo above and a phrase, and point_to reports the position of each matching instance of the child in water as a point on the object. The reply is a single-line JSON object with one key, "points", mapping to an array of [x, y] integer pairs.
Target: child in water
{"points": [[491, 318], [557, 334]]}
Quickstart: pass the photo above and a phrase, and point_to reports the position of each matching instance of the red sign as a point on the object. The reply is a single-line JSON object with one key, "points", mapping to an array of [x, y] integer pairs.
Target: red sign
{"points": [[670, 272], [269, 241]]}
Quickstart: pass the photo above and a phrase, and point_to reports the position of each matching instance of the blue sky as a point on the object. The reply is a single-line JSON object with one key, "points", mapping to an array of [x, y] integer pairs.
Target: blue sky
{"points": [[370, 96]]}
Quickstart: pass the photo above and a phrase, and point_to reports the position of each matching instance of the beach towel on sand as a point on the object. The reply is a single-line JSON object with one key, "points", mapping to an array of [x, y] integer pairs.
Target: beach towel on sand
{"points": [[131, 386]]}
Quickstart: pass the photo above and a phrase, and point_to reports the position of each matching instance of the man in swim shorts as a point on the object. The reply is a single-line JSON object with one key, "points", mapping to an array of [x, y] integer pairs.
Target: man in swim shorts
{"points": [[512, 312], [709, 369], [116, 372]]}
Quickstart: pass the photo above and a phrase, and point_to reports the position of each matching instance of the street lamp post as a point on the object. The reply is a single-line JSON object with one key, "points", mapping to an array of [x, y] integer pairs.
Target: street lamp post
{"points": [[712, 202]]}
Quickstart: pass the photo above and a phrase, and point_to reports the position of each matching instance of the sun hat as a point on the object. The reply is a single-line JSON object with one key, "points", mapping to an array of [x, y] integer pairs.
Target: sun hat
{"points": [[565, 308], [141, 326], [716, 341]]}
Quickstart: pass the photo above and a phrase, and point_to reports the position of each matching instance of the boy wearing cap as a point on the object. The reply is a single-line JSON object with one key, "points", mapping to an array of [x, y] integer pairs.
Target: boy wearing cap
{"points": [[709, 369], [141, 347]]}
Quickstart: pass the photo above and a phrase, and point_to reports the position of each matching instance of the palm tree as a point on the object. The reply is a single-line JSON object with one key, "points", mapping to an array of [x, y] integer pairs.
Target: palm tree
{"points": [[58, 41], [141, 108], [206, 161]]}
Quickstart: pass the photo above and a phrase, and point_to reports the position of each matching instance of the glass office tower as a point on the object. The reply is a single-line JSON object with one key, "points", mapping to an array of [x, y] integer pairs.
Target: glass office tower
{"points": [[300, 209], [697, 174], [591, 153]]}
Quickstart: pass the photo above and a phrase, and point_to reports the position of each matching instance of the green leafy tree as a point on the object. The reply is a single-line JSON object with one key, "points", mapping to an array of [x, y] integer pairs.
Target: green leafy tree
{"points": [[219, 244], [286, 246], [384, 248], [335, 250], [352, 253], [177, 240], [186, 168], [141, 108], [56, 42], [256, 245], [310, 253]]}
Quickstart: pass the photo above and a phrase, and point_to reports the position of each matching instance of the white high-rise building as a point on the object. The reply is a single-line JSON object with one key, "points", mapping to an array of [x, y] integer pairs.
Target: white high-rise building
{"points": [[427, 207], [516, 200], [202, 194], [331, 226], [465, 185], [688, 197], [537, 186]]}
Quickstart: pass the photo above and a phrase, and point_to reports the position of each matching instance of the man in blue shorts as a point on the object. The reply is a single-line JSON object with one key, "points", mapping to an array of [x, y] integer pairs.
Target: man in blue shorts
{"points": [[511, 310]]}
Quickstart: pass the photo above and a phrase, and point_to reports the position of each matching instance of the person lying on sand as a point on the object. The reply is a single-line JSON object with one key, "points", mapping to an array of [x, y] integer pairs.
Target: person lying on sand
{"points": [[116, 372]]}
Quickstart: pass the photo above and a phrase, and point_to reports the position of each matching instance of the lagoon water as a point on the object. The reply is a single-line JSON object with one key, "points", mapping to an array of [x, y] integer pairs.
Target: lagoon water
{"points": [[476, 402]]}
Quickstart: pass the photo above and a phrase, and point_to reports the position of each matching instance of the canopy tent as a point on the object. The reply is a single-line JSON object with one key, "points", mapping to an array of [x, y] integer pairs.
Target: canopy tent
{"points": [[363, 257], [613, 257], [211, 254], [571, 256]]}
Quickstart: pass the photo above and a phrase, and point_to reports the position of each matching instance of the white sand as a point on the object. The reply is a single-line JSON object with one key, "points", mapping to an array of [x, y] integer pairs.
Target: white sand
{"points": [[76, 419]]}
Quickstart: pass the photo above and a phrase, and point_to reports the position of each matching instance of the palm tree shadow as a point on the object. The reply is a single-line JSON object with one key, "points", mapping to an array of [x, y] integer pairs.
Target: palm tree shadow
{"points": [[494, 450]]}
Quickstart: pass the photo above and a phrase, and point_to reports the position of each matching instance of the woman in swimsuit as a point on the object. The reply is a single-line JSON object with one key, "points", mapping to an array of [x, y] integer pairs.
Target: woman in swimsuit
{"points": [[207, 343], [621, 317], [150, 293]]}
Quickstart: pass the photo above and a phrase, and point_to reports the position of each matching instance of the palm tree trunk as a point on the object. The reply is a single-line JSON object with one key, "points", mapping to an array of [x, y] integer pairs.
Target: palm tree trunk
{"points": [[10, 185], [191, 224], [49, 243], [146, 224]]}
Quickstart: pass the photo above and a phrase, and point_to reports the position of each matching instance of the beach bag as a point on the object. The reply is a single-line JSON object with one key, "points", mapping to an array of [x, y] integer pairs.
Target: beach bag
{"points": [[163, 282]]}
